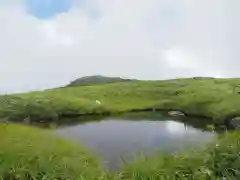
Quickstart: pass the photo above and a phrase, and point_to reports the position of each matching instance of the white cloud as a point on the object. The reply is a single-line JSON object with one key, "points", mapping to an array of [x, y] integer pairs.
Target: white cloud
{"points": [[147, 39]]}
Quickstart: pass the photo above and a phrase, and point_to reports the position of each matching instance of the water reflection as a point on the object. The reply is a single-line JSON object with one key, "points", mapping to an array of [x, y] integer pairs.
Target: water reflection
{"points": [[123, 137]]}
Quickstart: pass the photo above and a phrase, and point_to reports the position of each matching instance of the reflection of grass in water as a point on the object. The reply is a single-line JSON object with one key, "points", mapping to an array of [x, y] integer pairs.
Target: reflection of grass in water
{"points": [[199, 123], [142, 116]]}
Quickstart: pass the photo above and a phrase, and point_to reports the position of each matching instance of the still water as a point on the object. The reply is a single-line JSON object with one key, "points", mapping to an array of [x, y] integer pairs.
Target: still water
{"points": [[118, 139]]}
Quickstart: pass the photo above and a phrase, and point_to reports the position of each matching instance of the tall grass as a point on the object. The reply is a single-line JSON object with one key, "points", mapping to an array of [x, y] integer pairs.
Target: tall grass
{"points": [[220, 160], [30, 153]]}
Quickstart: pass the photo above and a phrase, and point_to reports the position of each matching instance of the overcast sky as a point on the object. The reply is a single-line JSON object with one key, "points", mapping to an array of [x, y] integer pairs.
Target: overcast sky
{"points": [[47, 43]]}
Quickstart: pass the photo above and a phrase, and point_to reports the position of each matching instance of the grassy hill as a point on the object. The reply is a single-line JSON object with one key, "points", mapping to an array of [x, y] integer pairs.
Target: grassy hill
{"points": [[214, 98], [94, 80]]}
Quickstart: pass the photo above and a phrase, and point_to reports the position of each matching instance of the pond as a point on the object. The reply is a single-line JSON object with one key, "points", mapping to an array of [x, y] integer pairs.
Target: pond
{"points": [[120, 139]]}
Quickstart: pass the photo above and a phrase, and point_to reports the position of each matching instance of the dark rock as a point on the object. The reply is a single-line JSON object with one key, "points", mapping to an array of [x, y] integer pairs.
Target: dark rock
{"points": [[201, 78], [95, 80], [27, 120], [235, 122], [176, 113], [4, 120], [237, 91]]}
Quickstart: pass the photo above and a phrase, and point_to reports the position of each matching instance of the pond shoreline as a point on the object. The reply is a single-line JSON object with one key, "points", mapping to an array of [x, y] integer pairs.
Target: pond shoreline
{"points": [[146, 110], [220, 125]]}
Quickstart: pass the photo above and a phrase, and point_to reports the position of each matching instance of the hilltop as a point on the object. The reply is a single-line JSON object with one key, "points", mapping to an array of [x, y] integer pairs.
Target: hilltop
{"points": [[95, 80]]}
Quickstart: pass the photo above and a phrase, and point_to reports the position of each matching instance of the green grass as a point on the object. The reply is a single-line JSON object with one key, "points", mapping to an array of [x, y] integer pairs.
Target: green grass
{"points": [[219, 159], [213, 98], [30, 153]]}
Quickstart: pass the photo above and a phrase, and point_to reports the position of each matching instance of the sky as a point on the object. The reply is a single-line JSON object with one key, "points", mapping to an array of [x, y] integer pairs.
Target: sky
{"points": [[48, 43]]}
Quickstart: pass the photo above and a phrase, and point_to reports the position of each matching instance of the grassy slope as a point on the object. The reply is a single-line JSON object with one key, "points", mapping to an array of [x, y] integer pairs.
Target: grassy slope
{"points": [[30, 153], [209, 97]]}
